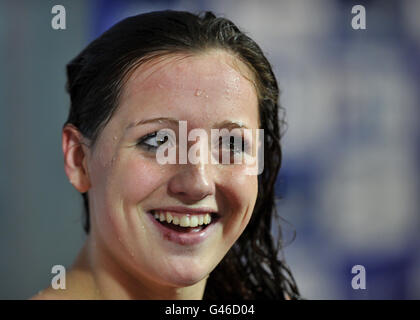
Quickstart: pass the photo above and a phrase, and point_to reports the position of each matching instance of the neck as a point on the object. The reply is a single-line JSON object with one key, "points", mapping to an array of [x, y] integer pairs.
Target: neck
{"points": [[105, 278]]}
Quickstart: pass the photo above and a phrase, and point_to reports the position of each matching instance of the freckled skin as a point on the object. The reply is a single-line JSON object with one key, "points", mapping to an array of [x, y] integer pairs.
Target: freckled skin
{"points": [[126, 181]]}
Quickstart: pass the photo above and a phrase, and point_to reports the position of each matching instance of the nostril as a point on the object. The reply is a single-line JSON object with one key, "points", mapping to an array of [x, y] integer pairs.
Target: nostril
{"points": [[190, 185]]}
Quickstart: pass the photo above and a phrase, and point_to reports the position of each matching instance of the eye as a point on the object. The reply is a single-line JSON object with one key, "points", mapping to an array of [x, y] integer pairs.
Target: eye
{"points": [[153, 140], [237, 146]]}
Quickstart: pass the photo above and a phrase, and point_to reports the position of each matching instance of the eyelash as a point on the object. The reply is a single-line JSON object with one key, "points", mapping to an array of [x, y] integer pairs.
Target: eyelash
{"points": [[142, 143], [244, 144]]}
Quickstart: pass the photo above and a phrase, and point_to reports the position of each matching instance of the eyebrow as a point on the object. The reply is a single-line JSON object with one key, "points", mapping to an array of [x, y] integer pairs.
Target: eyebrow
{"points": [[171, 121], [229, 124]]}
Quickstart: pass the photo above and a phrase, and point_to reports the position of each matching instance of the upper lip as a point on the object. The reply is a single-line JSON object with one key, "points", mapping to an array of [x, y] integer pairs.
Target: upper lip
{"points": [[198, 210]]}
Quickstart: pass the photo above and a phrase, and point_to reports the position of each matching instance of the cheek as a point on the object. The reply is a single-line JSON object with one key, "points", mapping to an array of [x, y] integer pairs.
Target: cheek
{"points": [[129, 182], [244, 187], [241, 193], [137, 179]]}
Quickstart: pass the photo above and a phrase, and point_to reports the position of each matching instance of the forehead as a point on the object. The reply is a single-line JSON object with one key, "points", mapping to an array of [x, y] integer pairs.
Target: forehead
{"points": [[212, 84]]}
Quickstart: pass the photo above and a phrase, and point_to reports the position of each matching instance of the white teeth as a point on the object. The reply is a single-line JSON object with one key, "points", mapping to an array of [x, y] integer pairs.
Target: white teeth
{"points": [[176, 220], [183, 220], [193, 221], [207, 219]]}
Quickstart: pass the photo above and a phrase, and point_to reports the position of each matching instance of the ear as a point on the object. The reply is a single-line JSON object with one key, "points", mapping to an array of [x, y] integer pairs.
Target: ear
{"points": [[75, 158]]}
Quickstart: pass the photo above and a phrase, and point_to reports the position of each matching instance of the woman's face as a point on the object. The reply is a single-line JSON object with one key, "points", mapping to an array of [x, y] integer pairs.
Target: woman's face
{"points": [[129, 186]]}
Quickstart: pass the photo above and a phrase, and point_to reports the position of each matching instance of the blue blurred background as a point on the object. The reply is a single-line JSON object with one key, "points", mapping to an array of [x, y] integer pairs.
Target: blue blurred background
{"points": [[350, 176]]}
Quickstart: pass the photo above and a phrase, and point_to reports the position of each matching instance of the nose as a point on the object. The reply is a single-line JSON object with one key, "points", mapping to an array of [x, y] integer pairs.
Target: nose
{"points": [[192, 183]]}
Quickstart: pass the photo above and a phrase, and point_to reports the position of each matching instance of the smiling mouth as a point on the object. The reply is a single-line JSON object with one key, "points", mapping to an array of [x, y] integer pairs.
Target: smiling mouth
{"points": [[185, 223]]}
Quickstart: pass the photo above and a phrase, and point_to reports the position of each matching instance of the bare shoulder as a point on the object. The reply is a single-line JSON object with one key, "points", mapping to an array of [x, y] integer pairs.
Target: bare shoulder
{"points": [[78, 287], [52, 294]]}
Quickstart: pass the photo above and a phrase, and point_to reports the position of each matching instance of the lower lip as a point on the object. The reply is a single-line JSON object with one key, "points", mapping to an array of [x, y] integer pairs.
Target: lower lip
{"points": [[190, 238]]}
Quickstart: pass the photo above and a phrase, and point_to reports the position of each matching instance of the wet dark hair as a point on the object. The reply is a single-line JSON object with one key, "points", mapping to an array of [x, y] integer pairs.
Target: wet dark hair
{"points": [[253, 267]]}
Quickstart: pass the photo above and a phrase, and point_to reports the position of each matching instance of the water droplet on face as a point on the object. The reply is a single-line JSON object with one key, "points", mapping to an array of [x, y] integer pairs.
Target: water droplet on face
{"points": [[198, 92]]}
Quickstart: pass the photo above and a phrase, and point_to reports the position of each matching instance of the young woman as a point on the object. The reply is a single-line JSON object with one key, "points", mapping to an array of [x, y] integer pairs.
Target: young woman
{"points": [[172, 231]]}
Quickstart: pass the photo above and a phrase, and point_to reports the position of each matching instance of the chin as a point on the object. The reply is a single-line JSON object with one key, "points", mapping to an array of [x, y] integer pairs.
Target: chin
{"points": [[186, 281], [185, 276]]}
